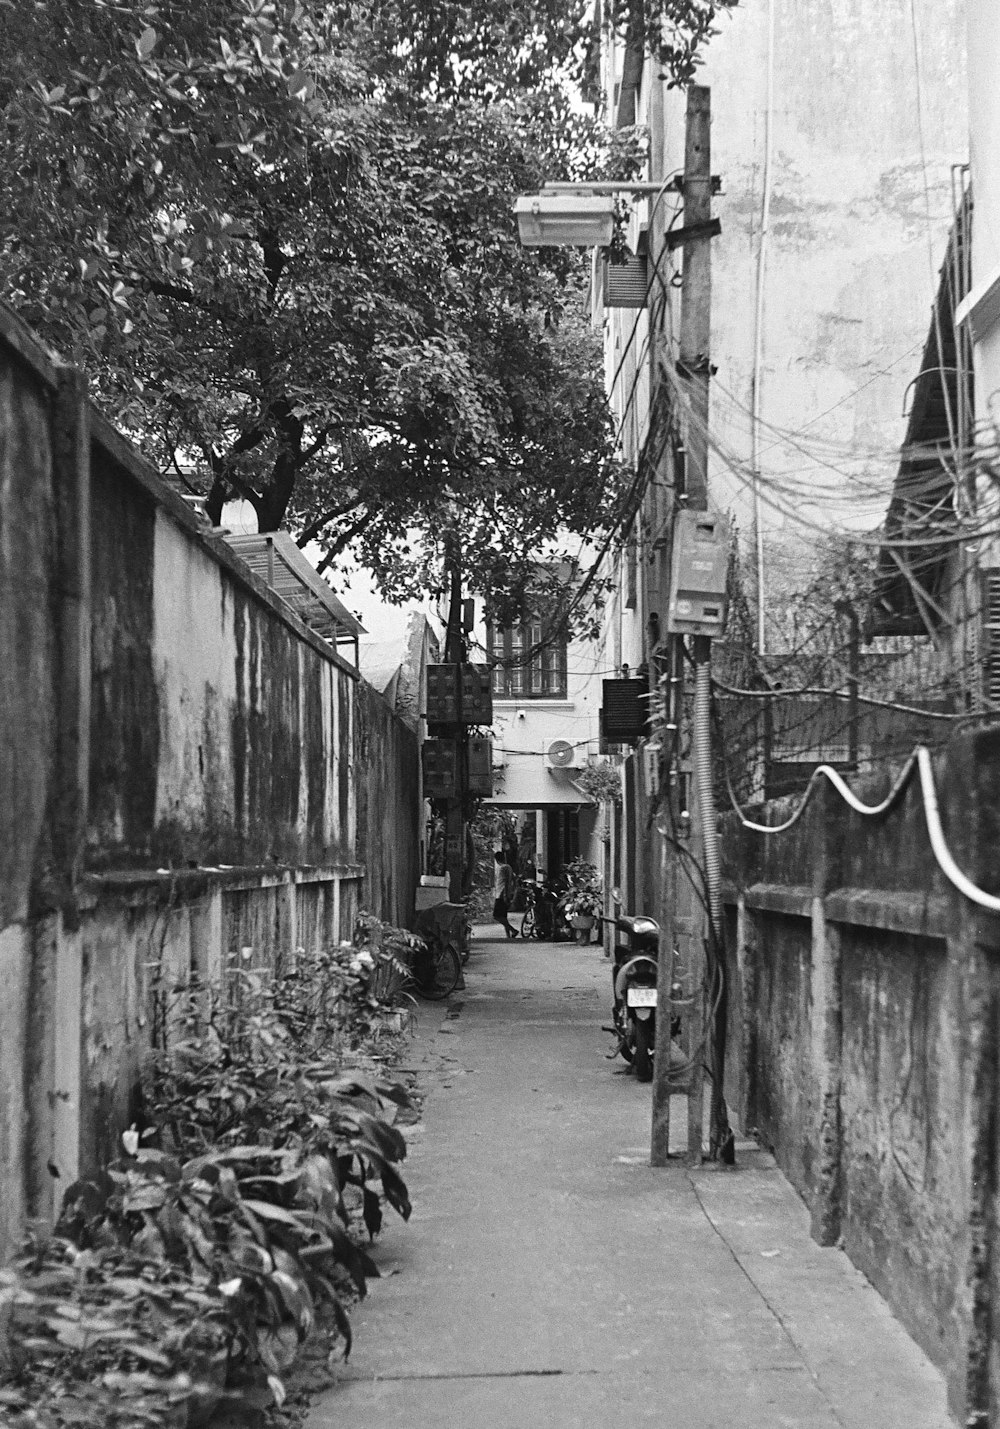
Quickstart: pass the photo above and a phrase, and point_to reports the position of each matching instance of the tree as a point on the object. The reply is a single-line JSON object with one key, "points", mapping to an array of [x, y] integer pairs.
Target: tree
{"points": [[278, 237]]}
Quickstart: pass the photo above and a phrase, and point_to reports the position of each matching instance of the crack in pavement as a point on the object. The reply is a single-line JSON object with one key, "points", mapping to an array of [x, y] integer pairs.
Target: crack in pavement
{"points": [[779, 1318]]}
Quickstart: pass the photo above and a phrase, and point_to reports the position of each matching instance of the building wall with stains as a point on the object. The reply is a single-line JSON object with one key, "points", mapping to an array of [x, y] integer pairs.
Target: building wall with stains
{"points": [[863, 1024], [183, 765], [869, 117]]}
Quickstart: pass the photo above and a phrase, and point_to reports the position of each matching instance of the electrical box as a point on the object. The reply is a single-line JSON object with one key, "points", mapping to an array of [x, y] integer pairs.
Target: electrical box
{"points": [[477, 694], [481, 767], [440, 766], [698, 575], [443, 685], [442, 694]]}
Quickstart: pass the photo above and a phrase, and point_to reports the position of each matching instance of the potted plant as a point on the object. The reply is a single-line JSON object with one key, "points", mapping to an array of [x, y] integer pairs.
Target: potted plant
{"points": [[583, 900]]}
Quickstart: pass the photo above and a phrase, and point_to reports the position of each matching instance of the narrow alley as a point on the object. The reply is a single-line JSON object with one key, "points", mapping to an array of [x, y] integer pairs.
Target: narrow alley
{"points": [[549, 1277]]}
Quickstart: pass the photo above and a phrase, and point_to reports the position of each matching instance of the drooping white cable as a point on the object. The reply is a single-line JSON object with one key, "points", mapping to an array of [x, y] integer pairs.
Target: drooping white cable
{"points": [[946, 863], [920, 759], [845, 792]]}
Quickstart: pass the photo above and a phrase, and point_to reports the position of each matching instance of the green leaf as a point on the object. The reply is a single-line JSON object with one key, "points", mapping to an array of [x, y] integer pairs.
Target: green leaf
{"points": [[146, 43], [267, 1211]]}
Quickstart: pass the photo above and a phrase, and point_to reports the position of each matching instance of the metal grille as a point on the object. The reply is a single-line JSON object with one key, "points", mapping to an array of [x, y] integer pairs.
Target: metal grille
{"points": [[991, 634], [626, 285], [625, 710]]}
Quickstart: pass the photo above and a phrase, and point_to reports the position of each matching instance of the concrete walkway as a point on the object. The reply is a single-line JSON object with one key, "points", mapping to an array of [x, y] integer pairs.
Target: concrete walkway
{"points": [[549, 1277]]}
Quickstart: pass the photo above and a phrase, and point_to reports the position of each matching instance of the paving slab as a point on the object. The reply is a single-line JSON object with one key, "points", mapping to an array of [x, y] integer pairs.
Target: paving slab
{"points": [[549, 1276]]}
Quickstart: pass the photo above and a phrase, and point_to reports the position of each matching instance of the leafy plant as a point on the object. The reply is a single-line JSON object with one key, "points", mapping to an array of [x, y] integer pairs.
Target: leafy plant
{"points": [[583, 898], [601, 780], [203, 1252]]}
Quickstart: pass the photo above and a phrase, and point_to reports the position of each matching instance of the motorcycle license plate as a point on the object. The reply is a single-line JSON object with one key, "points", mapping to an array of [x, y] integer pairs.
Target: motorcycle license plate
{"points": [[641, 997]]}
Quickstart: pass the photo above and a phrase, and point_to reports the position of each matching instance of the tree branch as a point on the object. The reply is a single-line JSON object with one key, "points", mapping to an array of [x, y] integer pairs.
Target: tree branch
{"points": [[345, 538], [311, 451], [315, 527]]}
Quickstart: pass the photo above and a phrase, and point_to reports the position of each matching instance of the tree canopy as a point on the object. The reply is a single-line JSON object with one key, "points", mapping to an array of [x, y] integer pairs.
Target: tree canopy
{"points": [[278, 237]]}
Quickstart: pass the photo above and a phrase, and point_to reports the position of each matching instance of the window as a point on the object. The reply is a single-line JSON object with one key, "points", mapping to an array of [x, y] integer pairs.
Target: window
{"points": [[529, 665]]}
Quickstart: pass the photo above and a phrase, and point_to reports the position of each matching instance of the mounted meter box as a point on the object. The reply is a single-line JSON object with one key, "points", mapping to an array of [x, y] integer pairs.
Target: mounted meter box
{"points": [[440, 765], [477, 694], [443, 685], [442, 694], [481, 767], [698, 574]]}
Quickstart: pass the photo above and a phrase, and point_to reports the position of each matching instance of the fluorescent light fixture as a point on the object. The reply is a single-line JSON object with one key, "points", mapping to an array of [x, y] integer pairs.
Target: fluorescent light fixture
{"points": [[565, 219]]}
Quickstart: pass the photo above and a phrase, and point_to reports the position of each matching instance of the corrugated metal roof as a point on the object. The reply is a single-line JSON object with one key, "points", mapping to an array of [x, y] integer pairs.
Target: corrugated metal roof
{"points": [[277, 561]]}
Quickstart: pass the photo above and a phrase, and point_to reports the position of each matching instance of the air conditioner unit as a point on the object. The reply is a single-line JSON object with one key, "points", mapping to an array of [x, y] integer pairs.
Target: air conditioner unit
{"points": [[561, 755]]}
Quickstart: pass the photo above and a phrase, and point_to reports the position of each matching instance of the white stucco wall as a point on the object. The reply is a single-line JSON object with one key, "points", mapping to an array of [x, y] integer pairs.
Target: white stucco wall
{"points": [[856, 239], [524, 729], [984, 129]]}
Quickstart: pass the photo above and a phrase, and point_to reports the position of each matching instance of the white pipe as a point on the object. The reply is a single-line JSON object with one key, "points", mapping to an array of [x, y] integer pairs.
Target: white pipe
{"points": [[947, 864], [920, 759]]}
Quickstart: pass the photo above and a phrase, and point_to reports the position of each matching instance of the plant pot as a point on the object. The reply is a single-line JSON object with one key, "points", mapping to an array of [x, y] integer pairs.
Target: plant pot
{"points": [[581, 921]]}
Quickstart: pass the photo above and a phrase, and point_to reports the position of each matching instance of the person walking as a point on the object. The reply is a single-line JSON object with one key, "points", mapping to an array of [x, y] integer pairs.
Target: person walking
{"points": [[504, 888]]}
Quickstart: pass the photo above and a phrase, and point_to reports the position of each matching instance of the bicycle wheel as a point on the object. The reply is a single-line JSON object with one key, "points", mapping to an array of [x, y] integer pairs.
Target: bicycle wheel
{"points": [[528, 922], [444, 972]]}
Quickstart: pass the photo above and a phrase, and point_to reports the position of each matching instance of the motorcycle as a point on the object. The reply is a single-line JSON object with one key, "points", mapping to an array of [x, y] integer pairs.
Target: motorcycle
{"points": [[633, 973]]}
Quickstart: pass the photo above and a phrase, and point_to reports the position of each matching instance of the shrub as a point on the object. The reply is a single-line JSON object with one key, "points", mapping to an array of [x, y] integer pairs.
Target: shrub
{"points": [[199, 1257]]}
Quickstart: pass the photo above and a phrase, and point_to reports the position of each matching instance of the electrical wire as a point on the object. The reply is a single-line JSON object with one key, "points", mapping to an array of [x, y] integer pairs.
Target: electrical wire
{"points": [[919, 760]]}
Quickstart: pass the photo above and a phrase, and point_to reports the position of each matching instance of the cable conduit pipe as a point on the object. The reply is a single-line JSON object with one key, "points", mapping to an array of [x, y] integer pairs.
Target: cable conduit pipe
{"points": [[920, 760], [703, 777]]}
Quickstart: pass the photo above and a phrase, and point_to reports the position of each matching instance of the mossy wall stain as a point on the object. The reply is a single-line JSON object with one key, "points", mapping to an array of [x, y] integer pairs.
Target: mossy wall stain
{"points": [[125, 712], [26, 633]]}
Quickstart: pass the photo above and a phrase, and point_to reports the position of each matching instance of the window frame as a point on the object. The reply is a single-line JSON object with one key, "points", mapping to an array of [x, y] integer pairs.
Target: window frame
{"points": [[544, 677]]}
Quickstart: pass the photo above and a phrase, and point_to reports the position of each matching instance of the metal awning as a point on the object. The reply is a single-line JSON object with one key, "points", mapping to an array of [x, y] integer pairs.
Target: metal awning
{"points": [[276, 559]]}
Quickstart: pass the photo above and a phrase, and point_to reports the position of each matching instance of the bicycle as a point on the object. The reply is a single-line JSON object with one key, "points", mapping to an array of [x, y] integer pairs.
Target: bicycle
{"points": [[436, 969]]}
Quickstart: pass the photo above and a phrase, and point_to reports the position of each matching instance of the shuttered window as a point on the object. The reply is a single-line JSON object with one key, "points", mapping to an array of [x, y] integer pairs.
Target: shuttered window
{"points": [[528, 663]]}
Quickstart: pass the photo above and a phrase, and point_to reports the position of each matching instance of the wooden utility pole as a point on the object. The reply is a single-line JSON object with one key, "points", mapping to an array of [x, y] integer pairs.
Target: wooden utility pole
{"points": [[696, 290], [662, 663], [454, 654], [683, 920], [695, 364]]}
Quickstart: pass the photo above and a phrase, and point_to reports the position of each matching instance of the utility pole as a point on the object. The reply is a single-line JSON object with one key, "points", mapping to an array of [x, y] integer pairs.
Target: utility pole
{"points": [[454, 654], [682, 917], [696, 335], [662, 664]]}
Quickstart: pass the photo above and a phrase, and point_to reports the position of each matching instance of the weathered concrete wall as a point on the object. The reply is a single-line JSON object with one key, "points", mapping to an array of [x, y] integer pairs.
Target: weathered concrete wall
{"points": [[181, 776], [855, 237], [27, 559], [863, 1022], [387, 757]]}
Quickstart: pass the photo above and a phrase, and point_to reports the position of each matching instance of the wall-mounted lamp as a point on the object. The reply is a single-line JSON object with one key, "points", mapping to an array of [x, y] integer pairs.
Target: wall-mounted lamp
{"points": [[520, 715], [548, 220]]}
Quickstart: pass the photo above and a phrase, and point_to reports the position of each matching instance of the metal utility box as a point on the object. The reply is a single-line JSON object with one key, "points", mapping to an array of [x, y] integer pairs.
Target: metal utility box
{"points": [[477, 694], [440, 766], [481, 767], [443, 682], [442, 694], [698, 575], [624, 711]]}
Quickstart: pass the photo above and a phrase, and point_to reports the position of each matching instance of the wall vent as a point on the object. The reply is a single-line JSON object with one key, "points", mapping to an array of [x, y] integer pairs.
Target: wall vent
{"points": [[991, 636]]}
